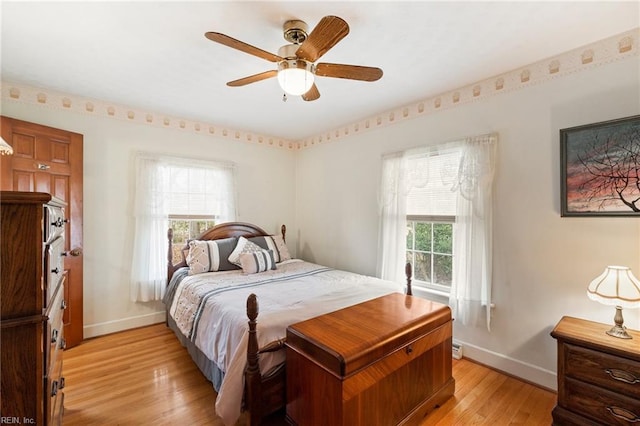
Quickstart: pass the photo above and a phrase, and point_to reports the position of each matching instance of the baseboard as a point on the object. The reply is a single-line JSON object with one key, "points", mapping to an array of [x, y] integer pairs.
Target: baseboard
{"points": [[95, 330], [528, 372]]}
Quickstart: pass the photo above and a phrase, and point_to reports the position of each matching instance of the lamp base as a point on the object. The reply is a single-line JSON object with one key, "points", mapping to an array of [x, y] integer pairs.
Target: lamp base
{"points": [[619, 332]]}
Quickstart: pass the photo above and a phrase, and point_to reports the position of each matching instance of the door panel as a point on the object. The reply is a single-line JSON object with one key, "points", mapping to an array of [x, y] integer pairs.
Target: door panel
{"points": [[49, 160]]}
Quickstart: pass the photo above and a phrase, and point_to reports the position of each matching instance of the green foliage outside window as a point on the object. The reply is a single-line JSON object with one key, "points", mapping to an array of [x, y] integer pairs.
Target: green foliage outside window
{"points": [[430, 251]]}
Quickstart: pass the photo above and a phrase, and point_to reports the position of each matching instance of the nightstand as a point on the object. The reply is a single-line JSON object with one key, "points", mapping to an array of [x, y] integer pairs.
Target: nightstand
{"points": [[598, 375]]}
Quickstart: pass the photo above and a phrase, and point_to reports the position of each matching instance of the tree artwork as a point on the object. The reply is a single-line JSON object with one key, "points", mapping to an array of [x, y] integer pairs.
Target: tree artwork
{"points": [[601, 168]]}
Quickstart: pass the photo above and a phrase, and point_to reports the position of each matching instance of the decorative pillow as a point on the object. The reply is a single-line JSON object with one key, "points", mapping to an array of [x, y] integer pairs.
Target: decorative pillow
{"points": [[275, 243], [257, 262], [243, 246], [210, 256]]}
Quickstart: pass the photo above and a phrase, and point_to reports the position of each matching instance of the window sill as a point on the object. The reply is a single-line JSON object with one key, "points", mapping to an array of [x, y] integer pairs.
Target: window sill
{"points": [[431, 294]]}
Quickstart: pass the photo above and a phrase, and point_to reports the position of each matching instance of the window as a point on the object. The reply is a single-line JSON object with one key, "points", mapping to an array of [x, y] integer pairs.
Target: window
{"points": [[193, 194], [436, 210], [431, 209], [430, 251], [185, 228]]}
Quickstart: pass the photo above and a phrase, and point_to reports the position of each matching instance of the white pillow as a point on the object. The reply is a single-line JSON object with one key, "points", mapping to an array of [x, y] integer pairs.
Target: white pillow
{"points": [[257, 262], [243, 246]]}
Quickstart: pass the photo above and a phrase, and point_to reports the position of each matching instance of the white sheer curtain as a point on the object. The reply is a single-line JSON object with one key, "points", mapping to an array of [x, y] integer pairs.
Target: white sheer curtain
{"points": [[470, 297], [165, 185], [393, 224]]}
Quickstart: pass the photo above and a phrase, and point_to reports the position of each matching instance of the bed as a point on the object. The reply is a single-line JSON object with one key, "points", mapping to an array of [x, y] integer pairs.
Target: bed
{"points": [[212, 307]]}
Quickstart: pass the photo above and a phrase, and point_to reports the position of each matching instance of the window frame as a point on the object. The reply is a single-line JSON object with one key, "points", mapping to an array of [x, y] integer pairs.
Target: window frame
{"points": [[412, 220]]}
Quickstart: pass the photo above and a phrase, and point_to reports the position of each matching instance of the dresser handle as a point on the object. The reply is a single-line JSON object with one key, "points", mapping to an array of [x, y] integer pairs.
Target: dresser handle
{"points": [[409, 349], [54, 388], [54, 336], [624, 414], [622, 376], [55, 271], [63, 343], [63, 305], [61, 383]]}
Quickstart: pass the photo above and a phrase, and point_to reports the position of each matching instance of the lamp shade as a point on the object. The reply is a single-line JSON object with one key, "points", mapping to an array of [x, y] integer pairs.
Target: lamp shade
{"points": [[5, 148], [616, 286]]}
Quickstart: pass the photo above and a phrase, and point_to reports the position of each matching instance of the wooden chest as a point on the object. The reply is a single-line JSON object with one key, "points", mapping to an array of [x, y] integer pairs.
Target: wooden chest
{"points": [[598, 375], [382, 362]]}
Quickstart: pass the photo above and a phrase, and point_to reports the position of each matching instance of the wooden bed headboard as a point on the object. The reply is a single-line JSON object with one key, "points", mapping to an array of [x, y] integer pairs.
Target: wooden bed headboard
{"points": [[223, 230]]}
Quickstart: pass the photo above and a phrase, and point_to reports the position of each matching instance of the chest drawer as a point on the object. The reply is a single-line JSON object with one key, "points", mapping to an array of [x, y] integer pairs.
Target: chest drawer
{"points": [[54, 333], [54, 267], [600, 404], [612, 372]]}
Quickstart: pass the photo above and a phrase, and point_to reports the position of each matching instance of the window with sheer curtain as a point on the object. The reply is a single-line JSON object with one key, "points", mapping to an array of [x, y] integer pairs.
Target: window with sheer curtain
{"points": [[436, 212], [177, 189]]}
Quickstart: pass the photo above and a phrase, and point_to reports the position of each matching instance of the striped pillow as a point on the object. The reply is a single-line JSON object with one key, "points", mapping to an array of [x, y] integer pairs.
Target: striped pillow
{"points": [[275, 243], [210, 256], [257, 262]]}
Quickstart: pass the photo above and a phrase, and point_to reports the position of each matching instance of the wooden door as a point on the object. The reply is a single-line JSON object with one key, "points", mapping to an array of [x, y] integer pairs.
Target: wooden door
{"points": [[49, 160]]}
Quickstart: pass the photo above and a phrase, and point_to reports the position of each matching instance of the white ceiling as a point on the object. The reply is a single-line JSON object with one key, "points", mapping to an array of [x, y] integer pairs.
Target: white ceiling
{"points": [[152, 55]]}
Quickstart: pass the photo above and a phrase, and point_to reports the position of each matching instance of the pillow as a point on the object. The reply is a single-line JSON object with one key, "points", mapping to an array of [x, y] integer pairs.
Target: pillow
{"points": [[274, 243], [210, 256], [243, 246], [257, 262]]}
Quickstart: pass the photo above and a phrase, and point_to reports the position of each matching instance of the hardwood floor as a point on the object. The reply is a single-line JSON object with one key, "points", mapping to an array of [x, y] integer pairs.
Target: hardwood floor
{"points": [[145, 377]]}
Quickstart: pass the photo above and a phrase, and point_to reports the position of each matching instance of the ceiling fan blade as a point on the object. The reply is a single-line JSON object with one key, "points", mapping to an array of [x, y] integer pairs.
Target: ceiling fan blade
{"points": [[329, 31], [351, 72], [242, 46], [253, 78], [312, 94]]}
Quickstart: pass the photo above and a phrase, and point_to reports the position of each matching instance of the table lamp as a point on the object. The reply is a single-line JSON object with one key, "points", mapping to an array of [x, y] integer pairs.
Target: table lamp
{"points": [[616, 286]]}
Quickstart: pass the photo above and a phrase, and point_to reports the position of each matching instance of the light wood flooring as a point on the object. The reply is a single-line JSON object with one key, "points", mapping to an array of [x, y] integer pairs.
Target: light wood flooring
{"points": [[145, 377]]}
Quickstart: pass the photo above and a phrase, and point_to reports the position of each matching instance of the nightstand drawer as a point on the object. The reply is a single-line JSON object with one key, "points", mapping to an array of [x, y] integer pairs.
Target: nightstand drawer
{"points": [[615, 373], [601, 405]]}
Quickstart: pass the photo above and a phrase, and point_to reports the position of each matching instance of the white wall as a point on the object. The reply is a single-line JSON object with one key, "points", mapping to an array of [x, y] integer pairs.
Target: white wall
{"points": [[542, 262], [265, 186]]}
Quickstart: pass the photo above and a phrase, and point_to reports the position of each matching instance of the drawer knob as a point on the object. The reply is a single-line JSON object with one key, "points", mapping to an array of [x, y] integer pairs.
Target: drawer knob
{"points": [[55, 271], [63, 343], [623, 414], [409, 350], [61, 386], [622, 376], [54, 388], [54, 336], [63, 305]]}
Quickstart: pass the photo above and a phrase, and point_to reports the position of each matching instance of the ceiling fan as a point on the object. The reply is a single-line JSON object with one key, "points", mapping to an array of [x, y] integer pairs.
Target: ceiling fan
{"points": [[296, 61]]}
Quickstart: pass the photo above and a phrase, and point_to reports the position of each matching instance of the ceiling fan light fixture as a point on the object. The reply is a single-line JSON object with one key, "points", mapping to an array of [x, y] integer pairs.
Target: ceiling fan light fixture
{"points": [[295, 76]]}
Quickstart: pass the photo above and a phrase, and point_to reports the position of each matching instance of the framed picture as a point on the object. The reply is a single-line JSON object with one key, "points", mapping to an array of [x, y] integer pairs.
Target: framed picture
{"points": [[600, 168]]}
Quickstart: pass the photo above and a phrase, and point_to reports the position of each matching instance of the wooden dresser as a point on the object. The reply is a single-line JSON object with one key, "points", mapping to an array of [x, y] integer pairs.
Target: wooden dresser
{"points": [[32, 236], [598, 375], [382, 362]]}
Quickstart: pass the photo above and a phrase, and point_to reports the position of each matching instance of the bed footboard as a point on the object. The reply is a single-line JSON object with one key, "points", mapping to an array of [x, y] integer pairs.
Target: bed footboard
{"points": [[263, 395]]}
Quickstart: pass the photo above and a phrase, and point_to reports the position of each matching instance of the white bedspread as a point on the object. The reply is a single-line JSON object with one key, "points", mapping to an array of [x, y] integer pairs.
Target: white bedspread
{"points": [[210, 309]]}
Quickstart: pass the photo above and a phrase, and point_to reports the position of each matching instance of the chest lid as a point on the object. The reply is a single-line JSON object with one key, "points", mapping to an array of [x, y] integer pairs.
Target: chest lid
{"points": [[349, 339]]}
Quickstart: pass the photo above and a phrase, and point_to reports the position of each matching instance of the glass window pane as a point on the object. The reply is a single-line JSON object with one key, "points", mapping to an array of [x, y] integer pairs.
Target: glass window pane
{"points": [[442, 241], [423, 236], [442, 269], [422, 267]]}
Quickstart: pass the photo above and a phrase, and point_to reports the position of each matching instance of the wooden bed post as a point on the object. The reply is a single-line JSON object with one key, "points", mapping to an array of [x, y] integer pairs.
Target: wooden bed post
{"points": [[283, 231], [253, 379], [408, 273], [170, 255]]}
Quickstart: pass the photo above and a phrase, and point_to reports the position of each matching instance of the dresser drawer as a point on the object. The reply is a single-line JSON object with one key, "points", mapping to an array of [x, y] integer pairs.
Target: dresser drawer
{"points": [[54, 395], [54, 333], [600, 404], [54, 267], [612, 372]]}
